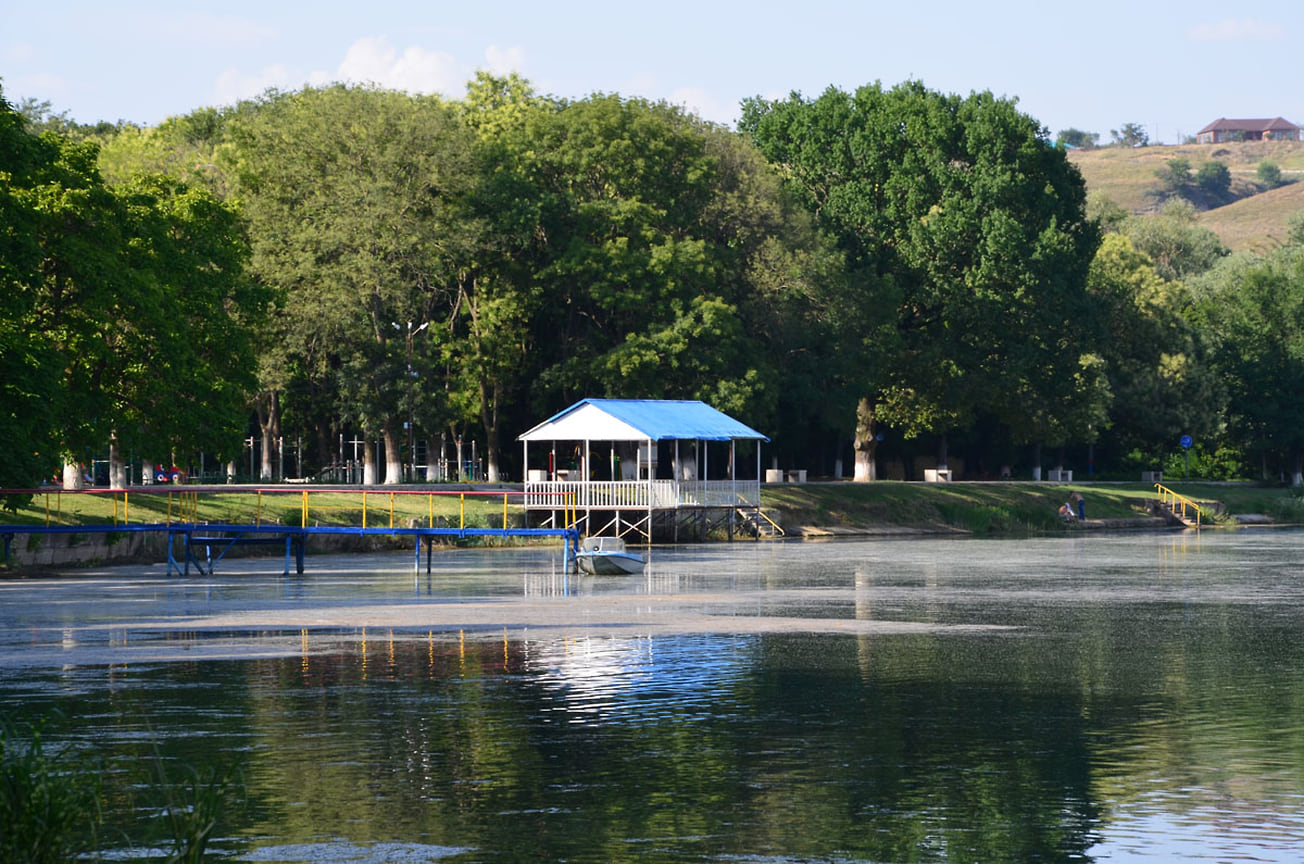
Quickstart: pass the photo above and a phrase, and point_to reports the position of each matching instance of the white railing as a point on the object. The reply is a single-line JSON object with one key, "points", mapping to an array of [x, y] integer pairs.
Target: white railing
{"points": [[720, 493], [616, 494]]}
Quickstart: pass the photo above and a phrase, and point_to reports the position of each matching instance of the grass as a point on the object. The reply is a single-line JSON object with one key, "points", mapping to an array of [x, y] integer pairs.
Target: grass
{"points": [[372, 508], [996, 508], [1256, 222], [52, 803], [49, 800], [1018, 509]]}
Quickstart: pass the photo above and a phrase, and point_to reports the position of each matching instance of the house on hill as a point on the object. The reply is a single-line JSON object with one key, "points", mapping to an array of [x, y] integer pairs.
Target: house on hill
{"points": [[1224, 130]]}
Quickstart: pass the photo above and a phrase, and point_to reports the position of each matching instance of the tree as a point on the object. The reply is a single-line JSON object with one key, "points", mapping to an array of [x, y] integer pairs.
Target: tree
{"points": [[1269, 173], [1078, 139], [1255, 316], [1176, 243], [30, 398], [659, 234], [134, 304], [1215, 180], [356, 197], [1176, 175], [968, 248], [1159, 377], [1131, 135]]}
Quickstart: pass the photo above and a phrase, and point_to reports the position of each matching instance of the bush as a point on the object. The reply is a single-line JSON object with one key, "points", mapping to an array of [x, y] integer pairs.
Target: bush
{"points": [[1218, 465], [1269, 174], [1215, 178]]}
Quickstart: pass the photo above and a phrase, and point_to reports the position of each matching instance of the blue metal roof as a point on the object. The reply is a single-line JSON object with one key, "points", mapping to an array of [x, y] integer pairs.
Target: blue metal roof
{"points": [[668, 419]]}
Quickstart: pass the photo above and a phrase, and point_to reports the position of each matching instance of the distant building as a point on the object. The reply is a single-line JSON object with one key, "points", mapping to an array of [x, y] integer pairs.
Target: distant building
{"points": [[1222, 130]]}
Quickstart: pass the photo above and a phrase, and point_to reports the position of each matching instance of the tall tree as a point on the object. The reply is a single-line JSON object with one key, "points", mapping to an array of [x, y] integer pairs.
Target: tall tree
{"points": [[30, 371], [135, 295], [650, 235], [966, 237], [1156, 360], [355, 196], [1254, 313]]}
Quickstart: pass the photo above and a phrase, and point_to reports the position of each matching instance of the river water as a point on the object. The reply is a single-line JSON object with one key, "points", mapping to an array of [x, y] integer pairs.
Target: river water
{"points": [[1092, 698]]}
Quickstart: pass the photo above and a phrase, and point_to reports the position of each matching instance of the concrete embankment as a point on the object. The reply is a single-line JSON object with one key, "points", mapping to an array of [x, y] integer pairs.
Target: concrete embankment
{"points": [[35, 551]]}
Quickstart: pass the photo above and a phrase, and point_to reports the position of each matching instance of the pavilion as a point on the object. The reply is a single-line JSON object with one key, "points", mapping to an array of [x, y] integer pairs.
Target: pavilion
{"points": [[646, 468]]}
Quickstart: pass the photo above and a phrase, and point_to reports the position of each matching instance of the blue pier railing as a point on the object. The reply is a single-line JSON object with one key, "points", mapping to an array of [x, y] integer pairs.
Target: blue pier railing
{"points": [[195, 543]]}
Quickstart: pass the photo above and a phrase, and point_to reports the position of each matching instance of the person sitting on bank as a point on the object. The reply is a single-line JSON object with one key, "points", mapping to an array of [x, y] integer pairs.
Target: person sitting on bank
{"points": [[1066, 512]]}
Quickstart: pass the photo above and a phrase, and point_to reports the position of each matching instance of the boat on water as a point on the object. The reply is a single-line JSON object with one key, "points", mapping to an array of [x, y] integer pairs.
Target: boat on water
{"points": [[607, 556]]}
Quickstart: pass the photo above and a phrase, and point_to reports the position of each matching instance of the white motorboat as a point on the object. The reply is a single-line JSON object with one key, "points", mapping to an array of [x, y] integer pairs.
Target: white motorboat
{"points": [[607, 556]]}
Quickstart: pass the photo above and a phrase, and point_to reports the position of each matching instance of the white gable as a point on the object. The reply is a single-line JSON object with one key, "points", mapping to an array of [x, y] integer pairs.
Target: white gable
{"points": [[586, 423]]}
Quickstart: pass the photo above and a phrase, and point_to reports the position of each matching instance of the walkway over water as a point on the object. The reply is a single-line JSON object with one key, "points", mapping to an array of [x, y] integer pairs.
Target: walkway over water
{"points": [[260, 516]]}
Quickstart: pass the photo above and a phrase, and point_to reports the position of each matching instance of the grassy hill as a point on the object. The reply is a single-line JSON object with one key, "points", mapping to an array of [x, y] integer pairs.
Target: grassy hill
{"points": [[1255, 221]]}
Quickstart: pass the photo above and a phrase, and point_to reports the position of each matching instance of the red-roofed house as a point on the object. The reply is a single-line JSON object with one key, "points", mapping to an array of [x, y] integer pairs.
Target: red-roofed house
{"points": [[1222, 130]]}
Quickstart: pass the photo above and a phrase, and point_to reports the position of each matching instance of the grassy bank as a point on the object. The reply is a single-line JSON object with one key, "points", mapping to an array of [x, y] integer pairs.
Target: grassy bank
{"points": [[288, 505], [1003, 508], [978, 508]]}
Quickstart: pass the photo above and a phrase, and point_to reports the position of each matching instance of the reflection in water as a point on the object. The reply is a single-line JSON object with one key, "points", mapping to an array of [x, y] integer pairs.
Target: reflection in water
{"points": [[638, 680], [1142, 704]]}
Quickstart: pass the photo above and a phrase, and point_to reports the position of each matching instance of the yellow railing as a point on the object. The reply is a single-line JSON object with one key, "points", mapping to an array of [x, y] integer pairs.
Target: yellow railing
{"points": [[778, 529], [326, 506], [1179, 504]]}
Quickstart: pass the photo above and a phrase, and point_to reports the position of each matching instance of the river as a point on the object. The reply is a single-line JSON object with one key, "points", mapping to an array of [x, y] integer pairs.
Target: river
{"points": [[1134, 697]]}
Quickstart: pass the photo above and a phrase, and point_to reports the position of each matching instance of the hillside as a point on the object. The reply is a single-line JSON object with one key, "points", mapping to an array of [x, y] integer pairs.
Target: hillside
{"points": [[1255, 222]]}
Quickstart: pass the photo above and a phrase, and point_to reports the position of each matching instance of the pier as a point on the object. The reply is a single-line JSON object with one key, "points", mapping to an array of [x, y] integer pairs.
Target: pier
{"points": [[286, 519]]}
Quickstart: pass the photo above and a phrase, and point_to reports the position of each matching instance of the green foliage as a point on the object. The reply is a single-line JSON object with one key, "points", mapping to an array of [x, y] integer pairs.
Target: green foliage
{"points": [[1269, 173], [967, 243], [1255, 316], [356, 201], [884, 256], [1077, 138], [1175, 242], [1161, 385], [1130, 135], [1175, 174], [1200, 463], [125, 310], [1210, 186], [49, 799], [1288, 509], [1214, 179], [191, 808], [1105, 212], [1295, 229]]}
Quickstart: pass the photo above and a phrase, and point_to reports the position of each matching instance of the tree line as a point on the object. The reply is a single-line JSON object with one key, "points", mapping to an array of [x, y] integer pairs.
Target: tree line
{"points": [[871, 275]]}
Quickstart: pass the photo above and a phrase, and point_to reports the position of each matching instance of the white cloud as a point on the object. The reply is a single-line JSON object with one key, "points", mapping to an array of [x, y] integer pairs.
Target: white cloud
{"points": [[502, 61], [705, 105], [234, 85], [1237, 30], [373, 60]]}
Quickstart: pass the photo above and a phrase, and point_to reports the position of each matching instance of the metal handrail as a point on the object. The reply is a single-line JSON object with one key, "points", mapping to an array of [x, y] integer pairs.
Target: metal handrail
{"points": [[1178, 503]]}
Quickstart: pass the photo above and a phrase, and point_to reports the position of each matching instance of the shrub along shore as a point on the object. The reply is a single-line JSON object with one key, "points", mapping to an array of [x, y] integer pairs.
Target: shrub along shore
{"points": [[817, 509]]}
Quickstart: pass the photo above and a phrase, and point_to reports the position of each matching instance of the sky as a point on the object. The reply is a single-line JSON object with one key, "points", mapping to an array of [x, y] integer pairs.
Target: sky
{"points": [[1092, 65]]}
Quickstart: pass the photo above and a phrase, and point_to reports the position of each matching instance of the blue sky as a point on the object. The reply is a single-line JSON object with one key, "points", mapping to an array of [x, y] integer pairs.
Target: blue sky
{"points": [[1090, 65]]}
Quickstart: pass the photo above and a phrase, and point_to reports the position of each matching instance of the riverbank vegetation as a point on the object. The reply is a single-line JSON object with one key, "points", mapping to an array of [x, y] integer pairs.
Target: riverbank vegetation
{"points": [[56, 804], [883, 281], [985, 509]]}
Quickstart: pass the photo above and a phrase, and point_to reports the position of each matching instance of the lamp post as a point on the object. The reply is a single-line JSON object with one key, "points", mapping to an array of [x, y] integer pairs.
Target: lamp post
{"points": [[411, 376]]}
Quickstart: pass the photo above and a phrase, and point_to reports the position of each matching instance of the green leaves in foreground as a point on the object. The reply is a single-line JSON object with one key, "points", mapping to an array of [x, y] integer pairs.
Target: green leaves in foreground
{"points": [[49, 800], [51, 803]]}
